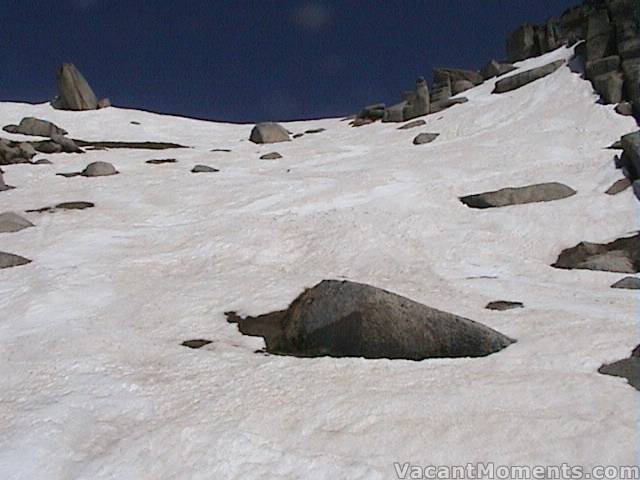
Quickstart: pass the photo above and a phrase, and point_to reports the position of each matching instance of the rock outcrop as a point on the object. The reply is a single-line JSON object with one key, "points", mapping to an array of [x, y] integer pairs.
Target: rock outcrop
{"points": [[628, 283], [74, 92], [270, 156], [36, 127], [521, 79], [347, 319], [415, 104], [11, 222], [542, 192], [628, 368], [495, 69], [621, 255], [269, 132]]}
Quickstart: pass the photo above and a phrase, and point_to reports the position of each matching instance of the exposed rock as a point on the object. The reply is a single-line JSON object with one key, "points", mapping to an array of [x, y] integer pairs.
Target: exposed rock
{"points": [[9, 260], [4, 186], [11, 222], [522, 43], [495, 69], [444, 104], [624, 108], [600, 36], [347, 319], [68, 145], [502, 305], [369, 114], [602, 66], [622, 256], [47, 147], [99, 169], [520, 79], [132, 145], [423, 138], [204, 169], [43, 161], [104, 103], [298, 135], [269, 132], [609, 86], [314, 130], [617, 145], [618, 186], [133, 122], [636, 188], [36, 127], [542, 192], [15, 152], [461, 86], [413, 124], [195, 344], [221, 150], [628, 283], [271, 156], [630, 159], [415, 104], [64, 206], [161, 161], [628, 368], [74, 93]]}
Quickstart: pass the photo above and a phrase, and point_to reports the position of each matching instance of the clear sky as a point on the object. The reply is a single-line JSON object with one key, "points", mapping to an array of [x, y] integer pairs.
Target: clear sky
{"points": [[251, 60]]}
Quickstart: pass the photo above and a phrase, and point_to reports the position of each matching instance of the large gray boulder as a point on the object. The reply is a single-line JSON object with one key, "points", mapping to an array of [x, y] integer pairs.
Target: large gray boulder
{"points": [[9, 260], [15, 152], [67, 144], [521, 79], [11, 222], [628, 368], [495, 69], [269, 132], [348, 319], [99, 169], [36, 127], [74, 92], [542, 192], [621, 255], [628, 283], [609, 86], [522, 43]]}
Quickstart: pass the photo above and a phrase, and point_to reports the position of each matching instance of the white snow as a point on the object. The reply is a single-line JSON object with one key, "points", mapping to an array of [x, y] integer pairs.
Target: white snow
{"points": [[95, 385]]}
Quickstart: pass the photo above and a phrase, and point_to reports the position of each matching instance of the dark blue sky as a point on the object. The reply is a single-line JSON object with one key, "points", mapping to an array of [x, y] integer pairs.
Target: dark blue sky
{"points": [[251, 60]]}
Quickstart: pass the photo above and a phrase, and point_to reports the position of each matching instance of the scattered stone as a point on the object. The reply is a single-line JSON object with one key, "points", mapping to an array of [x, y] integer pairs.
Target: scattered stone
{"points": [[133, 122], [496, 69], [36, 127], [415, 104], [542, 192], [347, 319], [269, 132], [298, 135], [195, 344], [4, 186], [444, 104], [204, 169], [74, 205], [423, 138], [68, 145], [618, 186], [11, 222], [502, 305], [414, 124], [225, 150], [621, 256], [521, 79], [628, 283], [624, 108], [628, 368], [43, 161], [271, 156], [74, 93], [132, 145], [161, 161], [9, 260], [15, 152], [99, 169], [315, 130]]}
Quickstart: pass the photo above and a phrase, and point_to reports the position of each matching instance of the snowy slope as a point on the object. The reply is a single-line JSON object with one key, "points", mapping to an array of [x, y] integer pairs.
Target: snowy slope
{"points": [[94, 383]]}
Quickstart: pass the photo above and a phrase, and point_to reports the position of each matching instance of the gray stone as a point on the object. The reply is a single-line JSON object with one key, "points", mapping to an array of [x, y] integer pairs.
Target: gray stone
{"points": [[42, 161], [628, 283], [600, 36], [609, 86], [629, 48], [99, 169], [372, 112], [416, 103], [4, 186], [460, 86], [520, 79], [628, 368], [601, 66], [104, 103], [495, 69], [36, 127], [413, 124], [195, 344], [161, 161], [442, 89], [522, 43], [395, 113], [348, 319], [68, 145], [423, 138], [543, 192], [636, 188], [502, 305], [271, 156], [11, 222], [74, 93], [624, 108], [621, 255], [9, 260], [314, 130], [204, 169], [631, 153], [269, 132], [618, 186], [15, 152], [458, 75], [48, 147]]}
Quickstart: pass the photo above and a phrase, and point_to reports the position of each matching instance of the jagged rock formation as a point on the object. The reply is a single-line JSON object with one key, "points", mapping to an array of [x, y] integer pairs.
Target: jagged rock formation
{"points": [[542, 192], [521, 79], [348, 319], [622, 256], [269, 132], [36, 127], [415, 104], [74, 92]]}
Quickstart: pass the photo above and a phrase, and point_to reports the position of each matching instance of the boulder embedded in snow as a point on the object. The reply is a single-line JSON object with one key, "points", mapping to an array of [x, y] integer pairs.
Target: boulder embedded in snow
{"points": [[542, 192], [271, 156], [15, 152], [269, 132], [522, 44], [161, 161], [521, 79], [624, 108], [64, 206], [621, 255], [104, 103], [99, 169], [36, 127], [618, 186], [74, 93], [311, 131], [413, 124], [11, 222], [447, 103], [630, 159], [4, 186], [423, 138], [495, 69], [628, 283], [68, 145], [609, 87], [628, 368], [204, 169], [502, 305], [348, 319], [195, 344], [9, 260]]}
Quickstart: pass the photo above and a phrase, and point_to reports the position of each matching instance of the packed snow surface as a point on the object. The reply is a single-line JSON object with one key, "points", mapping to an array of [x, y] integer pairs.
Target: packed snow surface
{"points": [[94, 383]]}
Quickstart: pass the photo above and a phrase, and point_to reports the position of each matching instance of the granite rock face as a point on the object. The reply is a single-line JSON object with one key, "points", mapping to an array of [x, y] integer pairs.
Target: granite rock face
{"points": [[521, 79], [74, 92]]}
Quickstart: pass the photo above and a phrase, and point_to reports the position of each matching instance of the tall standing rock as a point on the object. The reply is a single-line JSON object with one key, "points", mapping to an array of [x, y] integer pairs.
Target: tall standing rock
{"points": [[522, 43], [600, 36], [74, 92]]}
